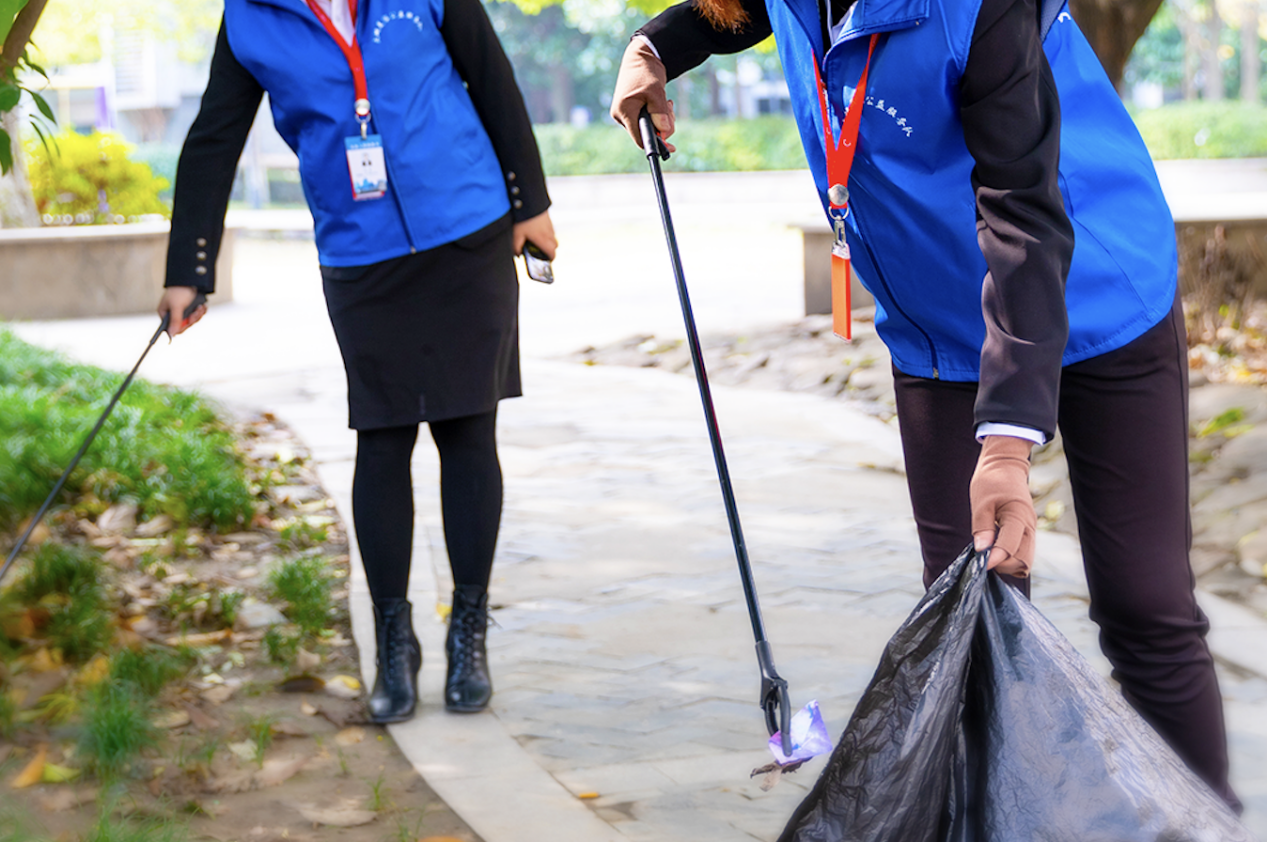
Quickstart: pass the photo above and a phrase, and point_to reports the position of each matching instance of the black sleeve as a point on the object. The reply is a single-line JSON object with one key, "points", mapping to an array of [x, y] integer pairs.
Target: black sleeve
{"points": [[481, 62], [1011, 123], [684, 38], [208, 163]]}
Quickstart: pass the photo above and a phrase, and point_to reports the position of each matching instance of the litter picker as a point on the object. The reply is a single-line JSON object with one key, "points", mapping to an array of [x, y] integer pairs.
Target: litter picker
{"points": [[127, 381], [774, 695]]}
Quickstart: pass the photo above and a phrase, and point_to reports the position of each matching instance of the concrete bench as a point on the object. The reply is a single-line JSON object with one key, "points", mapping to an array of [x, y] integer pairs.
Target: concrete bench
{"points": [[92, 270], [816, 239]]}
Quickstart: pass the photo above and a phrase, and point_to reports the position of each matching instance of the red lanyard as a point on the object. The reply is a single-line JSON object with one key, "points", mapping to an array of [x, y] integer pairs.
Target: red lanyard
{"points": [[840, 156], [352, 52]]}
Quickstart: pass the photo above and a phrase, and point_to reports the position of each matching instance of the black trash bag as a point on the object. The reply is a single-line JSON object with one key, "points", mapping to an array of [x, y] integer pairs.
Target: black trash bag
{"points": [[983, 724]]}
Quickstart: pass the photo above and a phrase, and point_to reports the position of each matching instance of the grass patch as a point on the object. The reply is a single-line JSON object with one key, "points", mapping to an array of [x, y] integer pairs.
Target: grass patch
{"points": [[66, 580], [116, 728], [148, 670], [113, 828], [162, 448], [304, 584], [1230, 129]]}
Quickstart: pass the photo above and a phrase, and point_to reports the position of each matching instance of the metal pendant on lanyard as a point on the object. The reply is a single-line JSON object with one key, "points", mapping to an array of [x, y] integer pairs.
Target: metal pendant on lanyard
{"points": [[352, 52], [839, 163]]}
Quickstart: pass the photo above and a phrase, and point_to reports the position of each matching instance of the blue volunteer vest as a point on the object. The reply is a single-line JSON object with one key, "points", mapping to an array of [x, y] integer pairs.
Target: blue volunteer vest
{"points": [[912, 227], [444, 180]]}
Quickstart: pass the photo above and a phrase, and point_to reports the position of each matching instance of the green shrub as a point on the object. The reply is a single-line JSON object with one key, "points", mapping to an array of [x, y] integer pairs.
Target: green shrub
{"points": [[148, 670], [162, 448], [116, 728], [304, 584], [66, 579], [763, 143], [1204, 130], [90, 179]]}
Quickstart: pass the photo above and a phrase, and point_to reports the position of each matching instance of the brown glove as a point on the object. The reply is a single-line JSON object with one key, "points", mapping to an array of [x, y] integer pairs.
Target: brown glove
{"points": [[1001, 501], [640, 82]]}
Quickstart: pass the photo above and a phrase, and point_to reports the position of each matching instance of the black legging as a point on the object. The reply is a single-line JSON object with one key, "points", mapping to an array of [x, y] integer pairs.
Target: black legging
{"points": [[470, 494]]}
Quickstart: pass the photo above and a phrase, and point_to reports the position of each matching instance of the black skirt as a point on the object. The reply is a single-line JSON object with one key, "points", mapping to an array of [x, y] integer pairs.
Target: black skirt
{"points": [[429, 336]]}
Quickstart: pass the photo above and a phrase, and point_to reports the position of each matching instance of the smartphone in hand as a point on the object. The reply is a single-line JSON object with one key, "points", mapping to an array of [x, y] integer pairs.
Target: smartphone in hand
{"points": [[538, 265]]}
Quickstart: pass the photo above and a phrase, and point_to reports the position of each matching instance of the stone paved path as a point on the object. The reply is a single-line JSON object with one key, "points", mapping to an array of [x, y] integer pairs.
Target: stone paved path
{"points": [[622, 655]]}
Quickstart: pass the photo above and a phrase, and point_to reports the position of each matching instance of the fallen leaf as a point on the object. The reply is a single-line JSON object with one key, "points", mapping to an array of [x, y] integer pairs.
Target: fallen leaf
{"points": [[218, 695], [350, 736], [246, 573], [54, 774], [302, 684], [45, 660], [39, 686], [95, 671], [38, 536], [154, 527], [171, 719], [343, 687], [197, 639], [119, 518], [335, 816], [587, 796], [277, 772], [33, 772], [246, 750], [121, 558], [200, 719], [307, 661], [308, 710]]}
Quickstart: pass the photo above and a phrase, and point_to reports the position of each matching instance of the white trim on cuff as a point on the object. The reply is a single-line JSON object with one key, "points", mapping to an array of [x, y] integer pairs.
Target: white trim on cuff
{"points": [[644, 39], [992, 428]]}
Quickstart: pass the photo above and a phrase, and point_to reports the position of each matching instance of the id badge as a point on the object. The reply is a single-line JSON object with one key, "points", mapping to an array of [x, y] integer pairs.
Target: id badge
{"points": [[841, 321], [367, 167]]}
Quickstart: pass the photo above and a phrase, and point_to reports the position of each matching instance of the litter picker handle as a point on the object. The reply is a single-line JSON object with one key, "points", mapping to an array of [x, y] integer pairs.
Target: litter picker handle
{"points": [[199, 300], [774, 695]]}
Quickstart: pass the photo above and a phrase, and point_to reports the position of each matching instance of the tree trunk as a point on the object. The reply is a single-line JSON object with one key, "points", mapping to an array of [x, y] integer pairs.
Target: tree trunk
{"points": [[17, 204], [714, 93], [1190, 31], [562, 97], [1251, 64], [1211, 65], [1113, 27]]}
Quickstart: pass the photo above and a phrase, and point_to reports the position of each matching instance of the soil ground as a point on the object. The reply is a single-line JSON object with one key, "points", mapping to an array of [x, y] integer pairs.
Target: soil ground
{"points": [[240, 756]]}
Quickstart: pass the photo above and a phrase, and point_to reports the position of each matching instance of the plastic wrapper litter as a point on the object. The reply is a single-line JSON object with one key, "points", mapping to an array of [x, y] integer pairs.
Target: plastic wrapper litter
{"points": [[983, 724]]}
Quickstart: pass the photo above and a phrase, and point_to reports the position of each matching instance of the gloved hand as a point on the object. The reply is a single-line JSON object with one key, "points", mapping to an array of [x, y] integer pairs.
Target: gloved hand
{"points": [[1001, 501], [640, 82]]}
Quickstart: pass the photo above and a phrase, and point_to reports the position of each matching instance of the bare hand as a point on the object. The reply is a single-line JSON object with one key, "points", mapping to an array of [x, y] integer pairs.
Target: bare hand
{"points": [[1001, 501], [641, 81], [176, 301], [540, 230]]}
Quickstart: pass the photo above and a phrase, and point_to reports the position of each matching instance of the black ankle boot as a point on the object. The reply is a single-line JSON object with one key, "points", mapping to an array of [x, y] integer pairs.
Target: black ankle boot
{"points": [[398, 660], [467, 686]]}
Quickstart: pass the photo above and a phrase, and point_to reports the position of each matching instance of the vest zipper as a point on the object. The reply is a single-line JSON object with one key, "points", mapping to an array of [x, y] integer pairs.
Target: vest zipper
{"points": [[400, 209]]}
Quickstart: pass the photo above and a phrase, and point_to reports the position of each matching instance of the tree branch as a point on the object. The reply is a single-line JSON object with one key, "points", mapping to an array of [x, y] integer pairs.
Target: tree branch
{"points": [[20, 35]]}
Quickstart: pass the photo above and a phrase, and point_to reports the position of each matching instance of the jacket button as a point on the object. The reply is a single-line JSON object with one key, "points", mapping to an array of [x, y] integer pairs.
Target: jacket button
{"points": [[200, 270], [202, 255], [510, 176], [514, 191], [201, 241], [518, 204]]}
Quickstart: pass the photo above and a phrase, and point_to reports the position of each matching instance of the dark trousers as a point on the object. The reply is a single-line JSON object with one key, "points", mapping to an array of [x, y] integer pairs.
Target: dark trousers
{"points": [[1123, 418]]}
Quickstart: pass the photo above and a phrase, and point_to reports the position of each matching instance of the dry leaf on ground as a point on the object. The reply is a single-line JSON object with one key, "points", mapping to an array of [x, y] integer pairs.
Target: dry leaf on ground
{"points": [[345, 816], [33, 772], [343, 687], [218, 695], [277, 772], [171, 719], [350, 736]]}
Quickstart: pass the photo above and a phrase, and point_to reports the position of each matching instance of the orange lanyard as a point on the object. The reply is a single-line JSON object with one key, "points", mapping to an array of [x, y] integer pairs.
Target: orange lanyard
{"points": [[839, 163], [840, 155], [352, 52]]}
